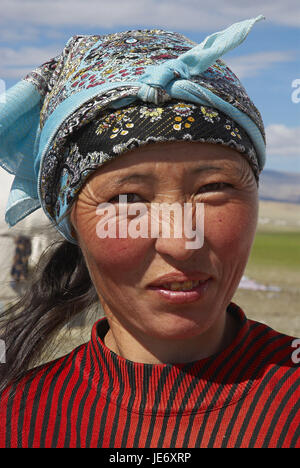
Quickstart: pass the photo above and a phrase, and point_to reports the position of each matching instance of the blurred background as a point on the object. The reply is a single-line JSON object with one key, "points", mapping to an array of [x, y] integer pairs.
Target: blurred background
{"points": [[268, 63]]}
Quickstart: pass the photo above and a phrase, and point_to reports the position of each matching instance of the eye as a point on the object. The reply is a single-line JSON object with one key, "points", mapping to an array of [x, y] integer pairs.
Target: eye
{"points": [[130, 198], [214, 187]]}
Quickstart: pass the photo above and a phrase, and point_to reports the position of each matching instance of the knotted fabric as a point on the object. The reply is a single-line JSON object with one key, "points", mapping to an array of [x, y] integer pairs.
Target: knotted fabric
{"points": [[40, 115]]}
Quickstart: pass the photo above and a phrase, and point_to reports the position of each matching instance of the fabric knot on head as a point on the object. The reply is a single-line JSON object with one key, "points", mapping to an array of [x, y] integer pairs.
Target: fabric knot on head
{"points": [[158, 78], [153, 94]]}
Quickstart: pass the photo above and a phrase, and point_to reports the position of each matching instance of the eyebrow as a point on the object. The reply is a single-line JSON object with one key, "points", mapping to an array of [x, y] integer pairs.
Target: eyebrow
{"points": [[138, 177], [207, 169], [135, 177]]}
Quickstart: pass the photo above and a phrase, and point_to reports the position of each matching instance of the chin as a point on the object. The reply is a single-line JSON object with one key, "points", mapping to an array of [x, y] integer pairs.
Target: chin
{"points": [[178, 327]]}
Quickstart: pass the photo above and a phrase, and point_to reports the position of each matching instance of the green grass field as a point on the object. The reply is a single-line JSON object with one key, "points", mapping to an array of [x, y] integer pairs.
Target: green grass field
{"points": [[280, 249], [275, 260]]}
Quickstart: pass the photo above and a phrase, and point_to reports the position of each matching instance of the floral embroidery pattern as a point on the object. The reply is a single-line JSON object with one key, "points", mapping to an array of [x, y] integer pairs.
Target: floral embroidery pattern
{"points": [[118, 122], [183, 118], [210, 115], [89, 62], [128, 128], [234, 131], [153, 114]]}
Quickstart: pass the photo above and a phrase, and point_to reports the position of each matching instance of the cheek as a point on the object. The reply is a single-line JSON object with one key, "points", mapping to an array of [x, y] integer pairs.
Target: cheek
{"points": [[116, 256], [231, 229], [109, 256]]}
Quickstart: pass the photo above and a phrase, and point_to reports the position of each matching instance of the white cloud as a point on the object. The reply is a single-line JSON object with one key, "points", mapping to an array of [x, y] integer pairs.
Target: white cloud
{"points": [[175, 14], [15, 64], [12, 34], [253, 64], [285, 13], [172, 13], [283, 140]]}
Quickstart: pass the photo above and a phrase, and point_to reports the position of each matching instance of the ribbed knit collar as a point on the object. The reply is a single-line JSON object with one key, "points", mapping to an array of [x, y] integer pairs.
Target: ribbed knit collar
{"points": [[202, 385]]}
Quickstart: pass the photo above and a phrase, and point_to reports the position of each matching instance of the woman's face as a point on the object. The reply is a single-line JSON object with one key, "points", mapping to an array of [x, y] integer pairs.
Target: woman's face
{"points": [[122, 268]]}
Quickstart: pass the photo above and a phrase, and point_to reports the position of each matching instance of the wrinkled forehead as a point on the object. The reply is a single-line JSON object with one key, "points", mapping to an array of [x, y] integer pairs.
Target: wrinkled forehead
{"points": [[170, 160]]}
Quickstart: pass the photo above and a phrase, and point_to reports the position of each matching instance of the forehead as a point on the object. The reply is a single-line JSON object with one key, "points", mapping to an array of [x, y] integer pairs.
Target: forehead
{"points": [[155, 159]]}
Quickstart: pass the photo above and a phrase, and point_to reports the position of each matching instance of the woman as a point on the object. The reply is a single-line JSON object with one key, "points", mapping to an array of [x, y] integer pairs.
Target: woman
{"points": [[135, 121]]}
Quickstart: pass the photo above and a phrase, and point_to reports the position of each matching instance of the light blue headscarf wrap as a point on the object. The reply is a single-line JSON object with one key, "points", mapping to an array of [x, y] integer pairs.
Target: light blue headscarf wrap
{"points": [[33, 112]]}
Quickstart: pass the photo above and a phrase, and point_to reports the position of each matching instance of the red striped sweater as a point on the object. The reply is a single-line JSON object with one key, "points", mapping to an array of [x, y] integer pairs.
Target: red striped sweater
{"points": [[245, 396]]}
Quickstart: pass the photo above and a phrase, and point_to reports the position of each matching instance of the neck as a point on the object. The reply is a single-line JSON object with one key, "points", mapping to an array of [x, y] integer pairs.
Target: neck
{"points": [[172, 388], [137, 347]]}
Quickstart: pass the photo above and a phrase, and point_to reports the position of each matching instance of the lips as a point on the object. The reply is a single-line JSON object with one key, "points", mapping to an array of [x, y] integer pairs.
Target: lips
{"points": [[172, 288], [171, 278]]}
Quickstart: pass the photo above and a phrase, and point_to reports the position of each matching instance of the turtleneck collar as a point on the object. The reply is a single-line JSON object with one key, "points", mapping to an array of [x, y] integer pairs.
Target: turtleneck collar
{"points": [[171, 388]]}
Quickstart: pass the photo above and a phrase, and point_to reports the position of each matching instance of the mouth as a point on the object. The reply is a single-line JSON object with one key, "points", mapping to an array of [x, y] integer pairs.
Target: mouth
{"points": [[179, 292], [180, 281], [179, 285]]}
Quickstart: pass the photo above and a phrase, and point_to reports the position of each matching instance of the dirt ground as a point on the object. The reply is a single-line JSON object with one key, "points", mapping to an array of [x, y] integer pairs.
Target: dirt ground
{"points": [[279, 310]]}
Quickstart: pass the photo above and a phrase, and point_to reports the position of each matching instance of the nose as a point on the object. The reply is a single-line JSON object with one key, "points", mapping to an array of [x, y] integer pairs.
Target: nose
{"points": [[173, 247], [177, 236]]}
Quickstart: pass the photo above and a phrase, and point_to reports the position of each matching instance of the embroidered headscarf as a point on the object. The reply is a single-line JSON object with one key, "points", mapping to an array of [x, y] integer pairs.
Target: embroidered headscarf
{"points": [[105, 95]]}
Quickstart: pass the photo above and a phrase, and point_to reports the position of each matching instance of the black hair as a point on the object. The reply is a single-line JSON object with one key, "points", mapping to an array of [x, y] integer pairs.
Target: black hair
{"points": [[59, 289]]}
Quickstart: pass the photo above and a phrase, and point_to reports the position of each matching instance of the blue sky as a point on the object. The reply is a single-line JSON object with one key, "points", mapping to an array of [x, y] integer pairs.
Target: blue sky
{"points": [[268, 62]]}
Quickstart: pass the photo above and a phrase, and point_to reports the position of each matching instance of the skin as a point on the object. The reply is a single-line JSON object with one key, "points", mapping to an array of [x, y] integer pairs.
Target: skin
{"points": [[144, 327]]}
